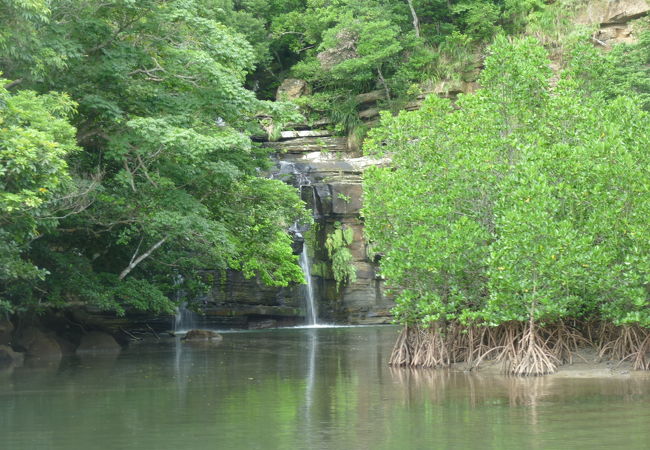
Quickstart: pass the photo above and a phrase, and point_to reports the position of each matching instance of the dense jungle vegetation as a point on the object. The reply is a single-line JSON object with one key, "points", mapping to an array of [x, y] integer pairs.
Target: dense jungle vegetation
{"points": [[511, 224], [513, 221], [125, 156]]}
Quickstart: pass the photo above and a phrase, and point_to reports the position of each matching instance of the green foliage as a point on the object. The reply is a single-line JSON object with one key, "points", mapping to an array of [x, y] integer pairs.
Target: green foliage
{"points": [[345, 115], [35, 140], [22, 48], [346, 47], [166, 184], [161, 98], [457, 56], [337, 243], [525, 202], [376, 43], [553, 25], [624, 70], [342, 196], [478, 18]]}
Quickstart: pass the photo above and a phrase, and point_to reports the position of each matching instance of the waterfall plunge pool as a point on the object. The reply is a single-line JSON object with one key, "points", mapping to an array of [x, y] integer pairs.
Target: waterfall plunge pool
{"points": [[307, 388]]}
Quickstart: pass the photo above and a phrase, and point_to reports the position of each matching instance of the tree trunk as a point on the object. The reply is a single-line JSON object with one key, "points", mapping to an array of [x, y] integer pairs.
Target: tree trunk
{"points": [[416, 21], [383, 81]]}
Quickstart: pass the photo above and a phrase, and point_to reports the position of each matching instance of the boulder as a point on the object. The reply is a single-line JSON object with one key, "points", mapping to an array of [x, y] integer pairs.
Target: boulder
{"points": [[67, 347], [202, 335], [6, 328], [37, 344], [622, 11], [292, 88], [98, 342], [8, 356], [262, 324], [345, 48]]}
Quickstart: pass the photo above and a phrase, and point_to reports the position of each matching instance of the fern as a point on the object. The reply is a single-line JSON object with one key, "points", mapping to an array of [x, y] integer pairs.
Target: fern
{"points": [[337, 243]]}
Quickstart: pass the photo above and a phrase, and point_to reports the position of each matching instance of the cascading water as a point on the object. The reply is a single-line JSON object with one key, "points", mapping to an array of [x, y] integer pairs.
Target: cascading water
{"points": [[185, 319], [291, 173], [297, 175], [310, 303]]}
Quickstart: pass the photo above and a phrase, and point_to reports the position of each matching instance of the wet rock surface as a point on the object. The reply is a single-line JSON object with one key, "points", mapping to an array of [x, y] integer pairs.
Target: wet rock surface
{"points": [[202, 335], [10, 357], [98, 341], [38, 344], [6, 329]]}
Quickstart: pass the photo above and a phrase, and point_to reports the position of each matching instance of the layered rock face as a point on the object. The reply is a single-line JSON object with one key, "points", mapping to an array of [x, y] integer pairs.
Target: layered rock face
{"points": [[615, 19], [328, 174], [330, 183]]}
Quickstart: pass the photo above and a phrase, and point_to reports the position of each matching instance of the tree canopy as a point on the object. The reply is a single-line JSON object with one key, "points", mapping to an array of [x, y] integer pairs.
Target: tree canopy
{"points": [[523, 203], [167, 179]]}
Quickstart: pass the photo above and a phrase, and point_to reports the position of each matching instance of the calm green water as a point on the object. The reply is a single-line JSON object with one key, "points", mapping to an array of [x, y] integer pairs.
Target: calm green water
{"points": [[307, 389]]}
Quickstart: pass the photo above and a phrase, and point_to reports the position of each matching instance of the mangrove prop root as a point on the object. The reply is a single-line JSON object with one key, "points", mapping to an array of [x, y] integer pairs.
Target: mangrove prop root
{"points": [[432, 350], [523, 348], [627, 343], [401, 355], [564, 341], [533, 356]]}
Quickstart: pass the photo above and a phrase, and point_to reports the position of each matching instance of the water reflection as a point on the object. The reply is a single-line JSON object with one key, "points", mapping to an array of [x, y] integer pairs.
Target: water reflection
{"points": [[308, 388], [478, 389]]}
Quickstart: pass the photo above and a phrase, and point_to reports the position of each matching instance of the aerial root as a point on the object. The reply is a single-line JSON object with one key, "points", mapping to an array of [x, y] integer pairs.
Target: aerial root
{"points": [[401, 355], [525, 349], [564, 341], [533, 357], [432, 350], [627, 343], [426, 347]]}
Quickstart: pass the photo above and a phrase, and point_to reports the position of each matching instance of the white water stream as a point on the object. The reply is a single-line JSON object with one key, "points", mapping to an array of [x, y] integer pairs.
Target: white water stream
{"points": [[310, 302], [185, 319]]}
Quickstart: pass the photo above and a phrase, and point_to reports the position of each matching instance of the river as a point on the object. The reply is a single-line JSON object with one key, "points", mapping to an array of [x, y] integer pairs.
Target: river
{"points": [[325, 388]]}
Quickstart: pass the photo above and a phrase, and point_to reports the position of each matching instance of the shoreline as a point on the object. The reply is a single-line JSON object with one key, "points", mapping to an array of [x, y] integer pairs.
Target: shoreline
{"points": [[585, 365]]}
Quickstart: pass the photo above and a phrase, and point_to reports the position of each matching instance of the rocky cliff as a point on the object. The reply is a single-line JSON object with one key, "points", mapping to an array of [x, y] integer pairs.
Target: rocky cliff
{"points": [[328, 174]]}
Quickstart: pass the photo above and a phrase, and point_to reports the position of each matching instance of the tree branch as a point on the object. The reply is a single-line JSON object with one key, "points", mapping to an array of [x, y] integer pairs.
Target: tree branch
{"points": [[13, 83], [383, 82], [144, 170], [131, 177], [135, 261], [119, 31]]}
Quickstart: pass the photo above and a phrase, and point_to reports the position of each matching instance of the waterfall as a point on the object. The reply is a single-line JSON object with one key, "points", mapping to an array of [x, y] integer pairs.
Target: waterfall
{"points": [[297, 175], [310, 303], [185, 319], [290, 173]]}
